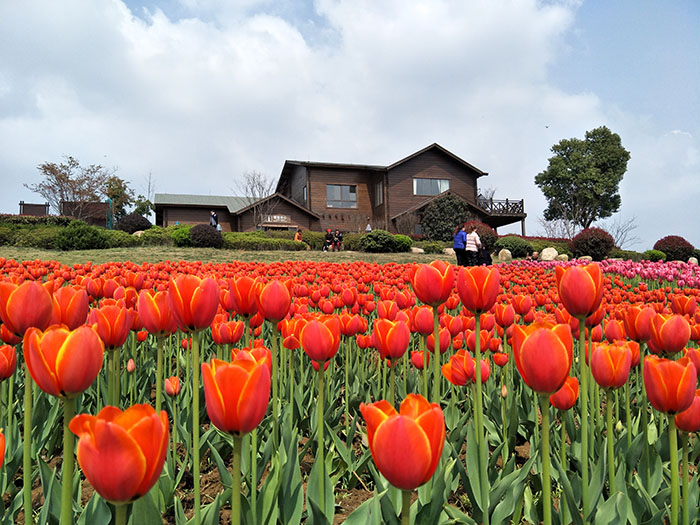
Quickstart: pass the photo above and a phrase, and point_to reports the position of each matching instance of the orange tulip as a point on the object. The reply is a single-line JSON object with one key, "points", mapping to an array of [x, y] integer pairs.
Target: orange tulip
{"points": [[522, 304], [689, 419], [580, 288], [8, 361], [432, 283], [423, 320], [419, 427], [112, 323], [173, 386], [504, 315], [637, 322], [228, 333], [71, 303], [391, 338], [240, 296], [320, 338], [614, 330], [274, 301], [610, 364], [670, 385], [478, 287], [566, 396], [418, 357], [236, 393], [459, 370], [543, 354], [193, 301], [62, 362], [669, 333], [500, 359], [122, 453], [154, 311], [25, 306], [683, 305]]}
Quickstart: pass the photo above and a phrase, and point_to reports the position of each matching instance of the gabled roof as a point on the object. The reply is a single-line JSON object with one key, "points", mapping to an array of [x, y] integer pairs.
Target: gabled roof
{"points": [[427, 201], [281, 197], [233, 204], [444, 151]]}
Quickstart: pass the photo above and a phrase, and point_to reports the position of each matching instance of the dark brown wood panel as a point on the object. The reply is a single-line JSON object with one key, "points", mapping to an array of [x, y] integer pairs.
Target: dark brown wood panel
{"points": [[431, 164], [345, 219], [298, 218], [196, 215], [297, 183]]}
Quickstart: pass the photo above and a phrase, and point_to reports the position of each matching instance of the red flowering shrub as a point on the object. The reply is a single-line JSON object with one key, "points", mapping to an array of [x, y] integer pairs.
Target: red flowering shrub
{"points": [[675, 247], [595, 242], [487, 234]]}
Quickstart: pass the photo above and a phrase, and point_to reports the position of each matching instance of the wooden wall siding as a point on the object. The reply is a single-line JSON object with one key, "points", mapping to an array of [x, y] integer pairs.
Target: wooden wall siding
{"points": [[297, 183], [431, 164], [192, 216], [345, 219], [246, 220]]}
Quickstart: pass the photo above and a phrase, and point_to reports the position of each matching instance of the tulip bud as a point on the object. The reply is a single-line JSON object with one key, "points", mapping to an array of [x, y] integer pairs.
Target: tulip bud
{"points": [[141, 336], [173, 386], [130, 366], [504, 391], [619, 427]]}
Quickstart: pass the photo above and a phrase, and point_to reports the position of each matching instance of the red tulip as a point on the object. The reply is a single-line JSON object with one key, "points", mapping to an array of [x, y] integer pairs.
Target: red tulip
{"points": [[274, 301], [543, 355], [522, 304], [683, 305], [193, 301], [122, 453], [580, 288], [228, 333], [504, 315], [25, 306], [566, 396], [173, 386], [62, 362], [423, 320], [236, 393], [689, 419], [320, 338], [670, 385], [610, 364], [8, 361], [112, 323], [444, 340], [500, 359], [669, 333], [240, 296], [71, 302], [391, 338], [614, 330], [8, 337], [459, 370], [154, 312], [638, 323], [478, 287], [130, 366], [432, 283], [417, 359], [419, 427]]}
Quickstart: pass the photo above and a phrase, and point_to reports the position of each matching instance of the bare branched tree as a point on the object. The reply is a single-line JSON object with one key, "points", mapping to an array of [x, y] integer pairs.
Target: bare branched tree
{"points": [[487, 193], [257, 186], [622, 230], [69, 182], [406, 223], [559, 228]]}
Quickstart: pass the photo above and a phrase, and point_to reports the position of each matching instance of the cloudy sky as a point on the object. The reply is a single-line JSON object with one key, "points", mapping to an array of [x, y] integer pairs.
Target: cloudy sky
{"points": [[197, 92]]}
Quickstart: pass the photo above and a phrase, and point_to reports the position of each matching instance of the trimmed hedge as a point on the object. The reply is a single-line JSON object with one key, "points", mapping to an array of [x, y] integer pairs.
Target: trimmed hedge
{"points": [[627, 255], [121, 239], [381, 241], [675, 247], [560, 246], [654, 255], [518, 246], [595, 242], [433, 247], [205, 236], [39, 236], [181, 236], [157, 236], [80, 236], [46, 220], [259, 241]]}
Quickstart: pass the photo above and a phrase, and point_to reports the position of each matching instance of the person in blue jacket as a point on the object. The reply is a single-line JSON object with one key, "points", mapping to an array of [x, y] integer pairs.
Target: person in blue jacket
{"points": [[459, 245]]}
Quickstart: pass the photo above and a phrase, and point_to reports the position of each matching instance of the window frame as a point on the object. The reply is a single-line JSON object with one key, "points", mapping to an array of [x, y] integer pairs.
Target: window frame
{"points": [[343, 204], [378, 193], [415, 186]]}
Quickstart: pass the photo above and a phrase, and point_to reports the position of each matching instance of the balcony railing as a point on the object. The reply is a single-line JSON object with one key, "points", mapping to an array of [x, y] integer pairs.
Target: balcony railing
{"points": [[502, 207]]}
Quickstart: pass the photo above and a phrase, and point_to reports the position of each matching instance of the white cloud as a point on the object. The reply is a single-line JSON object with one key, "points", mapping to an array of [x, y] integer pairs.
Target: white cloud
{"points": [[230, 87]]}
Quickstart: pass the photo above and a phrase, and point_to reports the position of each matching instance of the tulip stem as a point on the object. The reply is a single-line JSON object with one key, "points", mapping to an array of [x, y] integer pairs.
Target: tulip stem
{"points": [[424, 351], [504, 419], [320, 454], [120, 514], [27, 446], [483, 445], [584, 416], [275, 389], [628, 416], [436, 355], [686, 486], [610, 440], [236, 488], [673, 446], [564, 463], [195, 426], [174, 432], [405, 507], [645, 417], [254, 473], [159, 374], [546, 481], [392, 365], [68, 453], [347, 382]]}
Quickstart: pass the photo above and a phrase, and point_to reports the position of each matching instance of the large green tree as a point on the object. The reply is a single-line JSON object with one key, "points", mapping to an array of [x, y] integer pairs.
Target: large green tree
{"points": [[583, 177], [442, 216]]}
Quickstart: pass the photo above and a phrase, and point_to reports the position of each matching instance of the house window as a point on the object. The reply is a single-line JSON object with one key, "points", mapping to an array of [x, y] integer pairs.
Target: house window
{"points": [[341, 196], [430, 186], [303, 195], [378, 194]]}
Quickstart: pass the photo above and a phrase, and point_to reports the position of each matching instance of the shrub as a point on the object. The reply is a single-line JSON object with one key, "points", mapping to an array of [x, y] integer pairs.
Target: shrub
{"points": [[433, 247], [133, 223], [79, 236], [205, 236], [156, 236], [351, 241], [121, 239], [31, 220], [7, 234], [378, 241], [696, 253], [402, 243], [675, 247], [181, 236], [560, 245], [518, 246], [313, 239], [280, 234], [256, 241], [654, 255], [441, 217], [595, 242], [627, 255], [487, 234], [39, 236]]}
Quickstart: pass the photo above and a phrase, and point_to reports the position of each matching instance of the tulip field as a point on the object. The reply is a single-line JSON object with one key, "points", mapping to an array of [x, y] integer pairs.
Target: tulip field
{"points": [[359, 393]]}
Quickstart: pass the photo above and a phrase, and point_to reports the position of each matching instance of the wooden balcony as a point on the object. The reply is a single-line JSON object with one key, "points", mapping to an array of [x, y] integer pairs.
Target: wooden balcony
{"points": [[502, 207]]}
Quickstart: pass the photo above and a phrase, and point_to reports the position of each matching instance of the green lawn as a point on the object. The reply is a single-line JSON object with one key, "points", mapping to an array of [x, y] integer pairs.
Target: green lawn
{"points": [[162, 253]]}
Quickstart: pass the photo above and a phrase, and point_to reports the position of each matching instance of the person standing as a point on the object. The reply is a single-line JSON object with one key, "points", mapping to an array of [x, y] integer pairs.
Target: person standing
{"points": [[213, 219], [459, 244], [472, 246]]}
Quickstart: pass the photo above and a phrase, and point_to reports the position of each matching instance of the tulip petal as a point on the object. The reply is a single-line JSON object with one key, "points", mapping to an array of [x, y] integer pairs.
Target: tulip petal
{"points": [[405, 466]]}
